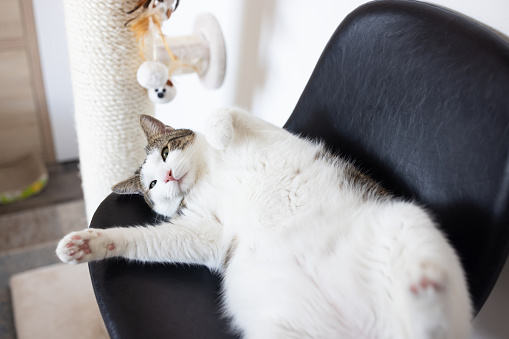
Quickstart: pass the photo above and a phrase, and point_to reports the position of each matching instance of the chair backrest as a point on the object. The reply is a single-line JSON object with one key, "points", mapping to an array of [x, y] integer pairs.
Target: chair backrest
{"points": [[418, 96]]}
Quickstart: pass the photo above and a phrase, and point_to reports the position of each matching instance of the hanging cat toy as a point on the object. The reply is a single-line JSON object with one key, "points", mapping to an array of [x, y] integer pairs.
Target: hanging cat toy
{"points": [[203, 52]]}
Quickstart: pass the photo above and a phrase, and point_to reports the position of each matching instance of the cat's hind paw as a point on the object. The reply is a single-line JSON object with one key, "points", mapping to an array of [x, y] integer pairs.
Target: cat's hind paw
{"points": [[83, 246], [219, 129], [428, 293], [427, 279]]}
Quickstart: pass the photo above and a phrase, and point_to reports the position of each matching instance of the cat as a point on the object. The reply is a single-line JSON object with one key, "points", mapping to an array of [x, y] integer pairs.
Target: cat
{"points": [[307, 245]]}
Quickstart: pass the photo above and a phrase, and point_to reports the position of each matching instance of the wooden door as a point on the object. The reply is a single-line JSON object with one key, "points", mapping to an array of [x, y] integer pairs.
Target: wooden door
{"points": [[24, 121]]}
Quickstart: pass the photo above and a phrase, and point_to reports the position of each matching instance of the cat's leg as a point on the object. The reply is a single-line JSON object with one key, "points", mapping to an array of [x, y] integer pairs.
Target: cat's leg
{"points": [[227, 125], [219, 129], [428, 275], [181, 240]]}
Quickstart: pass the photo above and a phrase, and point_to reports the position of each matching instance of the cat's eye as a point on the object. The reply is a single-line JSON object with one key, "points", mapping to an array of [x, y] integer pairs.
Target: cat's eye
{"points": [[153, 183], [164, 153]]}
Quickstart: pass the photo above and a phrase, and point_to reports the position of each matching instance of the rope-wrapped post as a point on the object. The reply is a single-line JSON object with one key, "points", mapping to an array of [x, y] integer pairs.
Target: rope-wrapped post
{"points": [[104, 59]]}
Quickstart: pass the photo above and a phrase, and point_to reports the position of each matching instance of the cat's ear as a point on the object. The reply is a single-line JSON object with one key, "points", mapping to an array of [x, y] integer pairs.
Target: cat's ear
{"points": [[153, 127], [131, 185]]}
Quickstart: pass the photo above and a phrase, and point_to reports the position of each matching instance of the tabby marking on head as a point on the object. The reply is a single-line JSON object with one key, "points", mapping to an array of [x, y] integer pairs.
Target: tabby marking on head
{"points": [[175, 140]]}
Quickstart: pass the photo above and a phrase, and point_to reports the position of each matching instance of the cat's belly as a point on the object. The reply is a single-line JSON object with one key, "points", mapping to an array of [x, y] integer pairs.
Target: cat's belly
{"points": [[268, 201], [298, 282], [292, 300]]}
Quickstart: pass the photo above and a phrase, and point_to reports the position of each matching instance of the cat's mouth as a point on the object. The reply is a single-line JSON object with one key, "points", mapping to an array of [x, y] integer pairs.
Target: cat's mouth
{"points": [[179, 180]]}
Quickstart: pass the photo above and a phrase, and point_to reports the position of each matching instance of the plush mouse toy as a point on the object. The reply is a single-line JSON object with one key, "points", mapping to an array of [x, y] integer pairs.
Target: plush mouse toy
{"points": [[154, 74], [164, 94]]}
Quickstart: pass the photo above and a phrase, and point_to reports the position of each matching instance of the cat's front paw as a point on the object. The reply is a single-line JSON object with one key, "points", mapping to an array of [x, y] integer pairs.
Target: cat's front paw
{"points": [[219, 129], [83, 246]]}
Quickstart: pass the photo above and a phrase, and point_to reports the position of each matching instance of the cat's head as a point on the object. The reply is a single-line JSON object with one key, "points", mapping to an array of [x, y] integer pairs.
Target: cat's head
{"points": [[170, 168]]}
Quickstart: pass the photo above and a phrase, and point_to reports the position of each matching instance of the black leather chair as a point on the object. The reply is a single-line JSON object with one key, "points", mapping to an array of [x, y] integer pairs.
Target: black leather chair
{"points": [[419, 97]]}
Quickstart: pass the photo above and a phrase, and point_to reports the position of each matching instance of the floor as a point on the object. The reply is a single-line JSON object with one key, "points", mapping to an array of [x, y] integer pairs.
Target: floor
{"points": [[491, 322], [30, 230]]}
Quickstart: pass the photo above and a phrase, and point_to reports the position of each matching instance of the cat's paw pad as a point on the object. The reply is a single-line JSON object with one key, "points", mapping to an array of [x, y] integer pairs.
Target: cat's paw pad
{"points": [[78, 247], [219, 129], [425, 284], [428, 279]]}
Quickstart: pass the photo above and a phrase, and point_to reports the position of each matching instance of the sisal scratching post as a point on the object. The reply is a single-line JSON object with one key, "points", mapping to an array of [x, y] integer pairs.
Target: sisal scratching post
{"points": [[107, 97]]}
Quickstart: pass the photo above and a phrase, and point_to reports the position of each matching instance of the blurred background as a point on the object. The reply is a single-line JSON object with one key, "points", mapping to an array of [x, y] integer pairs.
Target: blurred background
{"points": [[272, 48]]}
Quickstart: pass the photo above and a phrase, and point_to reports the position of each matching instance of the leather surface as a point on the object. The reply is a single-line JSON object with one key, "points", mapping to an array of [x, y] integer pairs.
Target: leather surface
{"points": [[149, 300], [419, 97]]}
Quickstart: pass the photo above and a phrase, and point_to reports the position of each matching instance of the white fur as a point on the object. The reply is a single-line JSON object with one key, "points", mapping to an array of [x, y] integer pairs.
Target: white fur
{"points": [[152, 74], [313, 257], [162, 95]]}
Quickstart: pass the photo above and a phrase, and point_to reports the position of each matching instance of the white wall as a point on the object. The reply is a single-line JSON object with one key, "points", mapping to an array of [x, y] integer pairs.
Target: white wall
{"points": [[50, 27]]}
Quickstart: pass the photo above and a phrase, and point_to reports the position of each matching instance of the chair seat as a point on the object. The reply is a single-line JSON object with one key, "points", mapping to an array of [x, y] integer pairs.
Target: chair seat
{"points": [[148, 300]]}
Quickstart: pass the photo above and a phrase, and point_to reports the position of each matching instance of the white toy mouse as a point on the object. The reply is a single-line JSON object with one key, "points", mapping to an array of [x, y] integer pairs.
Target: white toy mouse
{"points": [[164, 94]]}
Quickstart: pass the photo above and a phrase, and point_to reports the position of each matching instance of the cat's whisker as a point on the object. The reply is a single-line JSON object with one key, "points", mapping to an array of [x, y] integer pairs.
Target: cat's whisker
{"points": [[187, 157]]}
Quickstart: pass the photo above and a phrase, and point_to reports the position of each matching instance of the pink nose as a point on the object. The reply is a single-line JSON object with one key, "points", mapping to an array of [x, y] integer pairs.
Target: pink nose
{"points": [[169, 177]]}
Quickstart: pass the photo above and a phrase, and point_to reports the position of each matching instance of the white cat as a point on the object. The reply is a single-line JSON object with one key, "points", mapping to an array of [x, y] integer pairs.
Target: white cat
{"points": [[308, 246]]}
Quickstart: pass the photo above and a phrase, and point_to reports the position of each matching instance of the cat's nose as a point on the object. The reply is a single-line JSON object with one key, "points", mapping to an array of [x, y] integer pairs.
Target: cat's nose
{"points": [[169, 177]]}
